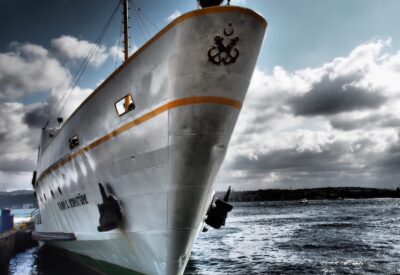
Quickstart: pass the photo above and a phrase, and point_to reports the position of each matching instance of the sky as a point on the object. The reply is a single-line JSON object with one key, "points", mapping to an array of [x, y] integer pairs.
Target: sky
{"points": [[323, 106]]}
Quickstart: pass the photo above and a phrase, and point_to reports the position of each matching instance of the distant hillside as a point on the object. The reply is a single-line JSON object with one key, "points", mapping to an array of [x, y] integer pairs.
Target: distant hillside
{"points": [[17, 199], [329, 193]]}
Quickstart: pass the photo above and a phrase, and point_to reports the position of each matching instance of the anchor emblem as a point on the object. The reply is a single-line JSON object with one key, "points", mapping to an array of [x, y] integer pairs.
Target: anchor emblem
{"points": [[221, 53]]}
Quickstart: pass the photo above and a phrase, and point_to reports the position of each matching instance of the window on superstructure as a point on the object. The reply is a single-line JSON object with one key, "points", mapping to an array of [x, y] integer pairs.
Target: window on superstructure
{"points": [[73, 142], [125, 105], [52, 194], [59, 191], [44, 195]]}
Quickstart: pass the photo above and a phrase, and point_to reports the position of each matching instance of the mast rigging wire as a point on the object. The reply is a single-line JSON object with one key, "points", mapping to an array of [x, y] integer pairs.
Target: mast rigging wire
{"points": [[78, 74], [83, 66], [142, 21], [140, 28], [144, 14]]}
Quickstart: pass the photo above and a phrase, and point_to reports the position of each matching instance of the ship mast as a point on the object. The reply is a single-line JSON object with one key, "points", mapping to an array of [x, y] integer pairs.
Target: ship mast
{"points": [[126, 31]]}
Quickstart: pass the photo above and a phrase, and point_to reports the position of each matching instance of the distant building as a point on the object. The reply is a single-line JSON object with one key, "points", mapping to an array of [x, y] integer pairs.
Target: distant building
{"points": [[6, 220]]}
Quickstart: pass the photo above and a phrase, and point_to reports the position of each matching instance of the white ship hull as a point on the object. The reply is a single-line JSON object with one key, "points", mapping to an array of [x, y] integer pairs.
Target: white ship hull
{"points": [[161, 159]]}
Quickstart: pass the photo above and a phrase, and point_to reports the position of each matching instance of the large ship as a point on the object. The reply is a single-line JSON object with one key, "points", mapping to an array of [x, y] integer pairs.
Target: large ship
{"points": [[128, 179]]}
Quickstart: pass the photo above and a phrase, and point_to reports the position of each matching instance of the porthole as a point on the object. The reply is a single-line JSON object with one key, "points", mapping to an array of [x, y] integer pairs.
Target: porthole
{"points": [[125, 105]]}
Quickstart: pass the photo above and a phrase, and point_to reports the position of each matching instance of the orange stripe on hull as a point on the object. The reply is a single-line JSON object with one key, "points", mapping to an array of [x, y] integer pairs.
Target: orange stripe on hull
{"points": [[171, 105]]}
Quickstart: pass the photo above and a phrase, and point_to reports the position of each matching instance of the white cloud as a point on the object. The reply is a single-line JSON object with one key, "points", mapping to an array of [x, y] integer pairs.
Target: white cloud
{"points": [[79, 95], [15, 180], [75, 49], [28, 69], [346, 133], [174, 15], [116, 52], [24, 70], [18, 147]]}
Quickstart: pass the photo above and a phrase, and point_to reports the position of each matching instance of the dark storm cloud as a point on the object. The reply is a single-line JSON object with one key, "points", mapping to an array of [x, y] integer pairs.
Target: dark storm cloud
{"points": [[369, 122], [389, 161], [2, 136], [16, 165], [18, 143], [37, 116], [333, 96], [294, 160], [28, 69], [392, 162]]}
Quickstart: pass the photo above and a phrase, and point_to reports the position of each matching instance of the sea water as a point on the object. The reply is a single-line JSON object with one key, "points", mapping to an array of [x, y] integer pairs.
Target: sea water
{"points": [[319, 237], [22, 215]]}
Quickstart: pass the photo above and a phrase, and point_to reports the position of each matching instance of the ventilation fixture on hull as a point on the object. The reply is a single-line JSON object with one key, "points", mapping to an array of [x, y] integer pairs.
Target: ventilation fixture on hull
{"points": [[218, 211], [110, 212]]}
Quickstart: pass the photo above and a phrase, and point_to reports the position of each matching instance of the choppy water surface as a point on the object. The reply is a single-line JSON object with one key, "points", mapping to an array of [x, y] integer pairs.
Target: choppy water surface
{"points": [[321, 237]]}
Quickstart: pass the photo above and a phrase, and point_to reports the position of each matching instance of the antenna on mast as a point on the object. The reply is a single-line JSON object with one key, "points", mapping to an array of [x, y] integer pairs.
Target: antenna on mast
{"points": [[126, 31]]}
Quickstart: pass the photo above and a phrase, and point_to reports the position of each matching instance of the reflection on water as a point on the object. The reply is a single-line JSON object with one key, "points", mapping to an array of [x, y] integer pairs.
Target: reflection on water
{"points": [[42, 260], [321, 237]]}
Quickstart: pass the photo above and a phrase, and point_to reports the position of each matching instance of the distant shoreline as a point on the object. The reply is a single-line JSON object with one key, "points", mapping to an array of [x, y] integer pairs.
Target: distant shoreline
{"points": [[17, 199], [326, 193]]}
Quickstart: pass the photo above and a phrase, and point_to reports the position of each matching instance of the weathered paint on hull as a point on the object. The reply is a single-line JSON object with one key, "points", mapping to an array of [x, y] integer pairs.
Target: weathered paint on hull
{"points": [[160, 160]]}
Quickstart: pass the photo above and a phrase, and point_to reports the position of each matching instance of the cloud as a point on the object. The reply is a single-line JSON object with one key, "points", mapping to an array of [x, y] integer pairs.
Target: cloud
{"points": [[332, 96], [72, 48], [371, 121], [15, 180], [79, 95], [116, 52], [173, 15], [36, 115], [17, 140], [332, 125], [29, 69]]}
